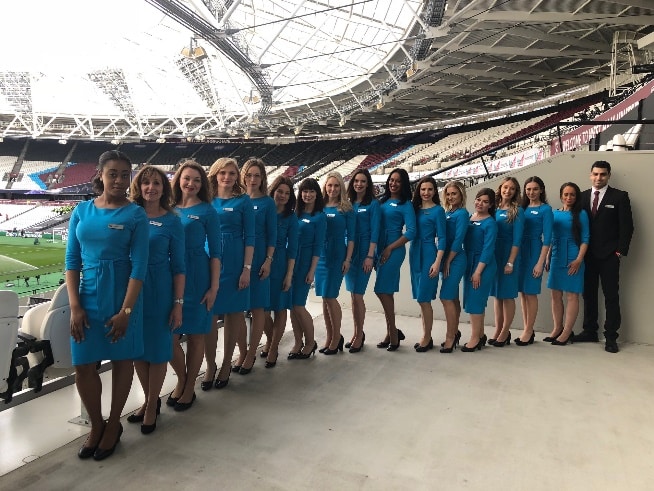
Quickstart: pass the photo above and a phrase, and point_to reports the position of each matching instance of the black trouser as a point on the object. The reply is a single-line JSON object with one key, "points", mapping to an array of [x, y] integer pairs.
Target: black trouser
{"points": [[608, 271]]}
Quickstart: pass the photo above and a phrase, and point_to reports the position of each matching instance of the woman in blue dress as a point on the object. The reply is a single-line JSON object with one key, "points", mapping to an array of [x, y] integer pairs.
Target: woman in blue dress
{"points": [[510, 220], [237, 236], [536, 242], [397, 215], [255, 182], [454, 266], [335, 259], [163, 289], [426, 253], [481, 267], [570, 236], [192, 197], [360, 192], [283, 263], [312, 227], [108, 243]]}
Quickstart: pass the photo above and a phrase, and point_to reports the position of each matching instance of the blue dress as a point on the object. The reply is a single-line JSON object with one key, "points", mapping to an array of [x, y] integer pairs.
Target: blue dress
{"points": [[329, 272], [565, 250], [430, 238], [480, 248], [165, 260], [108, 247], [395, 217], [265, 235], [538, 232], [236, 232], [509, 234], [368, 221], [311, 238], [285, 249], [456, 226], [201, 225]]}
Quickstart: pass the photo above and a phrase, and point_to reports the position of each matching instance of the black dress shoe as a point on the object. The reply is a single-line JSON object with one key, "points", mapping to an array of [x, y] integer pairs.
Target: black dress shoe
{"points": [[171, 401], [586, 337], [103, 453], [147, 429], [86, 452], [424, 349], [221, 384], [138, 418], [611, 346], [183, 406]]}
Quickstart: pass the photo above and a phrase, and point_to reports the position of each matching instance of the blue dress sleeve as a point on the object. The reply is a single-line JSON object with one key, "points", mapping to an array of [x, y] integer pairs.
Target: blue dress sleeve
{"points": [[271, 224], [585, 227], [214, 243], [73, 249], [292, 238], [248, 221], [350, 226], [321, 232], [461, 218], [409, 221], [548, 221], [177, 249], [518, 227], [490, 234], [139, 245], [441, 233], [375, 221]]}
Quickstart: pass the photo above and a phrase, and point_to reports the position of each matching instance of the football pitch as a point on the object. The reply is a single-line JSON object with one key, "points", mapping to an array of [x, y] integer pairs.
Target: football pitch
{"points": [[20, 257]]}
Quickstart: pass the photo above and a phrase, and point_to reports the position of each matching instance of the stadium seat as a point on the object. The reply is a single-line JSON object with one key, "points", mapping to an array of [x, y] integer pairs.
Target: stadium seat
{"points": [[46, 331], [12, 358]]}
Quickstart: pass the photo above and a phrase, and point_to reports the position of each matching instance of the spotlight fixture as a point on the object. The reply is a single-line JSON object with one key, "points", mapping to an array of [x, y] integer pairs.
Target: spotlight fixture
{"points": [[63, 141], [193, 51], [161, 140]]}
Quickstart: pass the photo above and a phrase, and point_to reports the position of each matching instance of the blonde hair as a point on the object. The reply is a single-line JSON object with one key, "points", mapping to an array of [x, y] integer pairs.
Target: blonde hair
{"points": [[462, 190], [219, 165], [514, 204], [258, 163], [344, 204]]}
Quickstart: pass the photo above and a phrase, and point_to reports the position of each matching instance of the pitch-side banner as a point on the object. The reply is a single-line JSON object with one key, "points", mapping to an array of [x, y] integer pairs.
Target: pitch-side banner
{"points": [[501, 165], [584, 134]]}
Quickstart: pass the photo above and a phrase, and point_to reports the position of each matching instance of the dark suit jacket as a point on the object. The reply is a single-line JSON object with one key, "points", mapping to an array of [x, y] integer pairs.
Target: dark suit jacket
{"points": [[612, 227]]}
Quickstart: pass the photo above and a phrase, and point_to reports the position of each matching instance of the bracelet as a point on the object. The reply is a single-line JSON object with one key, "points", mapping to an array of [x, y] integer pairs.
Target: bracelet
{"points": [[247, 266], [269, 257], [179, 301], [510, 265]]}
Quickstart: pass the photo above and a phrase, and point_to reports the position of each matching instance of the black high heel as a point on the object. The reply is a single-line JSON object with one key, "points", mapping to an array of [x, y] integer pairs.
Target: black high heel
{"points": [[457, 337], [424, 349], [147, 429], [400, 337], [206, 385], [137, 418], [348, 345], [467, 349], [263, 354], [356, 350], [245, 371], [570, 340], [304, 356], [87, 452], [293, 355], [236, 368], [450, 349], [520, 342], [103, 453], [221, 384], [483, 340], [384, 344], [501, 344], [171, 401], [183, 406], [271, 364], [549, 339], [335, 350]]}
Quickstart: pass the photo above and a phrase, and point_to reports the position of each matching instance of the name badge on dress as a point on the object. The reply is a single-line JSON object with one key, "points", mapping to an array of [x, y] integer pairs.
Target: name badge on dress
{"points": [[534, 212], [331, 215], [502, 215], [228, 209], [156, 224], [393, 204], [193, 217], [256, 207], [476, 224], [362, 210], [116, 226], [306, 220]]}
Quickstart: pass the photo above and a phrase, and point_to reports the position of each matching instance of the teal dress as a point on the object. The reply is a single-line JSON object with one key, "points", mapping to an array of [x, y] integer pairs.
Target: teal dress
{"points": [[456, 226], [565, 250], [286, 248], [329, 272], [368, 221], [509, 234], [538, 233], [108, 247], [480, 248], [311, 238], [265, 235], [165, 260], [430, 238]]}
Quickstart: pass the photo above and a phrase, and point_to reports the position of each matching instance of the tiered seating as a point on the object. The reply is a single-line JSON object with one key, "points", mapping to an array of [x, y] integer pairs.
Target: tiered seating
{"points": [[47, 150], [6, 165], [12, 211], [210, 152], [77, 174], [279, 171], [89, 151], [30, 172], [30, 218], [171, 153], [139, 153]]}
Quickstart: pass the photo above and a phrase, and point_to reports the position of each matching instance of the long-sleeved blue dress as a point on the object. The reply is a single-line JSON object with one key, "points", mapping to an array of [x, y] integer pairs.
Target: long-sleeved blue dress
{"points": [[430, 238], [201, 226], [538, 233], [396, 216], [311, 239], [565, 250], [509, 234], [456, 226], [480, 248], [165, 260], [329, 272], [265, 235], [108, 246], [368, 221], [285, 249], [236, 232]]}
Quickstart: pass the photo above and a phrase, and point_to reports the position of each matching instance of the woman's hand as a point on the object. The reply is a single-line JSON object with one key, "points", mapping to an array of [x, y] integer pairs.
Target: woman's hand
{"points": [[446, 268], [175, 318], [78, 322], [264, 270], [346, 267], [538, 270], [309, 279], [573, 267], [386, 253], [508, 268], [476, 280], [209, 298], [288, 281], [434, 269], [244, 279], [368, 263], [118, 324]]}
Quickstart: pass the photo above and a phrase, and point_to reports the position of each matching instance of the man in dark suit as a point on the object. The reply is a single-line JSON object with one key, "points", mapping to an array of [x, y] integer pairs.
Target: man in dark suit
{"points": [[611, 228]]}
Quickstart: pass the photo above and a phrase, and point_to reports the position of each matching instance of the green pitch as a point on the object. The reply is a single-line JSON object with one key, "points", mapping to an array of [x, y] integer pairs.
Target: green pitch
{"points": [[19, 257]]}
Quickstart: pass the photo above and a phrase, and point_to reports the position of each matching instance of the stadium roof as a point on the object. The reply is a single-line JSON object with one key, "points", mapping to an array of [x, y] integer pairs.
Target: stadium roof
{"points": [[115, 70]]}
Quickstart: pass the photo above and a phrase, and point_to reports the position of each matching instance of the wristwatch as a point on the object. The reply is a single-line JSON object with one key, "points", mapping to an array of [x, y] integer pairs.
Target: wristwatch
{"points": [[127, 310], [247, 266], [179, 301]]}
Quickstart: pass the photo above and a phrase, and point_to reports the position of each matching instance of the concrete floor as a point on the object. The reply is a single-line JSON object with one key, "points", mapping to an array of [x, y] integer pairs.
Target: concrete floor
{"points": [[532, 418]]}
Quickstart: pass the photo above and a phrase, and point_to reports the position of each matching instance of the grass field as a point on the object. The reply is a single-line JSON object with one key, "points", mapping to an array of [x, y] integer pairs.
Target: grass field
{"points": [[19, 257]]}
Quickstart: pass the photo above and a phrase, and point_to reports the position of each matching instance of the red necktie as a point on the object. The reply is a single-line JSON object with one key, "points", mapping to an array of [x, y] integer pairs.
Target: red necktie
{"points": [[593, 210]]}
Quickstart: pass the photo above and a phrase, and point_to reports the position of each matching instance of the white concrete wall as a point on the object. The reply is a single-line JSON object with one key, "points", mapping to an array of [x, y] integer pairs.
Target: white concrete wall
{"points": [[632, 172]]}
